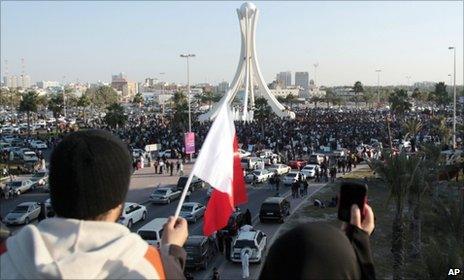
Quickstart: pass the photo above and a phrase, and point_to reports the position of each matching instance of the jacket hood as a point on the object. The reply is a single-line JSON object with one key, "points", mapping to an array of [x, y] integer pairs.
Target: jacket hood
{"points": [[68, 248]]}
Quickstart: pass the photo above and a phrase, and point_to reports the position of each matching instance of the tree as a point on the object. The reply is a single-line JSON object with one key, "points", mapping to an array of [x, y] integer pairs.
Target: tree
{"points": [[180, 107], [84, 102], [102, 96], [10, 97], [55, 104], [315, 100], [368, 97], [138, 99], [329, 97], [357, 88], [399, 172], [262, 111], [411, 128], [399, 102], [440, 96], [115, 116], [290, 98], [29, 104]]}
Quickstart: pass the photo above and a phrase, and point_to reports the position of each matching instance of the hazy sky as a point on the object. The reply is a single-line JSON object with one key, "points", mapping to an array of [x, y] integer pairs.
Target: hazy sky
{"points": [[90, 41]]}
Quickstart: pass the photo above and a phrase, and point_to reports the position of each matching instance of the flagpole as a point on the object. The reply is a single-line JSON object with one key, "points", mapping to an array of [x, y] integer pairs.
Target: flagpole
{"points": [[184, 194]]}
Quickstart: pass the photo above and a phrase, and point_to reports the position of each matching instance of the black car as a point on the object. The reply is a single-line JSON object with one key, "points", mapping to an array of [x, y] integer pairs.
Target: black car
{"points": [[200, 251], [274, 208], [236, 221], [194, 185]]}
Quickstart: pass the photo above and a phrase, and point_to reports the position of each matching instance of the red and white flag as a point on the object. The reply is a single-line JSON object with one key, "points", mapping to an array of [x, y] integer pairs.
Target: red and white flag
{"points": [[219, 165]]}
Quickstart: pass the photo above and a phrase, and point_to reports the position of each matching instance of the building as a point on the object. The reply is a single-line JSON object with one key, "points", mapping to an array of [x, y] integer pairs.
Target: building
{"points": [[302, 80], [129, 90], [223, 87], [284, 92], [284, 78], [47, 84], [10, 81], [118, 81]]}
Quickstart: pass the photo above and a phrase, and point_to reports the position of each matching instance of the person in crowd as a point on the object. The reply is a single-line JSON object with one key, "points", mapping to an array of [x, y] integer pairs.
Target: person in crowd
{"points": [[322, 251], [247, 217], [89, 179], [181, 168], [228, 244], [43, 212], [215, 274], [177, 166], [156, 166], [277, 184], [245, 254], [161, 165]]}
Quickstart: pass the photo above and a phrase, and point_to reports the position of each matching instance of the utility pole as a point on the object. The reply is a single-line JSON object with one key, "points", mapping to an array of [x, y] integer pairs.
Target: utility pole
{"points": [[378, 86], [454, 98], [187, 56]]}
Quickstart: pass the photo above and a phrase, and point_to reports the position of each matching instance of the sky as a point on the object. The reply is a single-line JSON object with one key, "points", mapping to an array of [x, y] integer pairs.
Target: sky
{"points": [[89, 41]]}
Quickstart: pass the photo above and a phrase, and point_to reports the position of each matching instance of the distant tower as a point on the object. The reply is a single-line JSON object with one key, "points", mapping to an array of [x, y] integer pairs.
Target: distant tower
{"points": [[6, 75], [248, 73]]}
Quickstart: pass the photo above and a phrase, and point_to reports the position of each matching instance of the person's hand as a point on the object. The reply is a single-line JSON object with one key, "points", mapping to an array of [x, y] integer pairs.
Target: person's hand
{"points": [[175, 231], [367, 224]]}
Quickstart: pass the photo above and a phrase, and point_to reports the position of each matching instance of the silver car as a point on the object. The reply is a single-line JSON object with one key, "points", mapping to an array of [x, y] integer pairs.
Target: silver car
{"points": [[192, 211], [23, 213], [164, 195], [20, 187]]}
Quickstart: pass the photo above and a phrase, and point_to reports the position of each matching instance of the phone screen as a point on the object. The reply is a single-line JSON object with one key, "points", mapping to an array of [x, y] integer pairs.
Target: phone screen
{"points": [[351, 193]]}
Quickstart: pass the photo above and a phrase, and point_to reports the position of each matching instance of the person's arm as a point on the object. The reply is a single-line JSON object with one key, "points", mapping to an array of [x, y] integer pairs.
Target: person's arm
{"points": [[358, 233], [172, 254]]}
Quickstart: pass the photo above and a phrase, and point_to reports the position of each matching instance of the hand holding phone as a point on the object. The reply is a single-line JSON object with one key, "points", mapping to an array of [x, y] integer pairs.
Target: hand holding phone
{"points": [[351, 193]]}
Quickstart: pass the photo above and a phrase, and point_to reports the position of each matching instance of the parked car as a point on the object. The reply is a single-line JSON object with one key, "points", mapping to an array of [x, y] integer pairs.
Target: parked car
{"points": [[40, 178], [196, 183], [164, 195], [192, 211], [20, 187], [153, 231], [132, 213], [236, 221], [280, 168], [290, 178], [23, 213], [138, 152], [29, 156], [259, 175], [254, 240], [316, 158], [38, 144], [309, 171], [249, 163], [200, 251], [297, 164], [274, 208], [242, 153]]}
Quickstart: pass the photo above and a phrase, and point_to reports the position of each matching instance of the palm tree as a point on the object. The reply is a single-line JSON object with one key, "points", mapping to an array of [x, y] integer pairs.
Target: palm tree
{"points": [[357, 88], [262, 111], [399, 102], [29, 104], [290, 99], [84, 102], [180, 107], [115, 116], [412, 127], [399, 172], [315, 100], [138, 99]]}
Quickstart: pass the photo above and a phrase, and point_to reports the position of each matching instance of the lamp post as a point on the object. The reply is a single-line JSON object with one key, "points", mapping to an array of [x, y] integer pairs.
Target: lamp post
{"points": [[162, 91], [64, 96], [454, 97], [187, 56], [378, 85], [450, 79]]}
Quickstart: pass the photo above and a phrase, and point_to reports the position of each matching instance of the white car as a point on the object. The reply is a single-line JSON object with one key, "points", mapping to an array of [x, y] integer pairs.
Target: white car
{"points": [[192, 211], [132, 213], [309, 171], [253, 240], [259, 175], [138, 152], [29, 156], [290, 178], [20, 187], [40, 178], [23, 213], [280, 168], [164, 195], [38, 144], [243, 153]]}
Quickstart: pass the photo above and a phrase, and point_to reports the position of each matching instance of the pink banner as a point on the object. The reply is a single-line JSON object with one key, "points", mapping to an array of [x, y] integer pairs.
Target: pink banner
{"points": [[189, 139]]}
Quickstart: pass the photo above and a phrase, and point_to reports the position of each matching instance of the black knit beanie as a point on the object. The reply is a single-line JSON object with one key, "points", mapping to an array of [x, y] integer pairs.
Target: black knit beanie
{"points": [[89, 174]]}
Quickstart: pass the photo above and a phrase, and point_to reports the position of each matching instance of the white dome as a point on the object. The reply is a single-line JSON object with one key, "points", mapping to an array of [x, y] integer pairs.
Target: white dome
{"points": [[247, 5]]}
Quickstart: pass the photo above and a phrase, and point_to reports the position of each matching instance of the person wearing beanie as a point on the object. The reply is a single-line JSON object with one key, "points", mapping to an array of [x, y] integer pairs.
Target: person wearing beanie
{"points": [[89, 179]]}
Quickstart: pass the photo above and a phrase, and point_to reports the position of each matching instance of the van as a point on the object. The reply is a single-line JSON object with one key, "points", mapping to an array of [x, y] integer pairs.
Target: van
{"points": [[316, 159], [153, 231], [274, 208], [200, 251]]}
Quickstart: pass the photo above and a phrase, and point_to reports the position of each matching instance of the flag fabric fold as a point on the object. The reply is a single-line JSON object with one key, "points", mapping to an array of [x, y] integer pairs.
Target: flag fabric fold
{"points": [[218, 164]]}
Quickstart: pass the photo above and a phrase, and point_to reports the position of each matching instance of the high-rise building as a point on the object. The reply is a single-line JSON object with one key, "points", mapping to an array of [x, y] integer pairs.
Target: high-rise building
{"points": [[284, 78], [118, 81], [24, 81], [11, 81], [47, 84], [223, 87], [302, 80]]}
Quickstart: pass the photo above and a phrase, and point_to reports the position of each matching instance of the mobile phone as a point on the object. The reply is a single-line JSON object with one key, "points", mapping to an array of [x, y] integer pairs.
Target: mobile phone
{"points": [[351, 193]]}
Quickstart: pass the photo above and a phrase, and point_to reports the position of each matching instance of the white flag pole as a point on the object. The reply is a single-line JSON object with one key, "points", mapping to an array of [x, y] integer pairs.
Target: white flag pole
{"points": [[184, 194]]}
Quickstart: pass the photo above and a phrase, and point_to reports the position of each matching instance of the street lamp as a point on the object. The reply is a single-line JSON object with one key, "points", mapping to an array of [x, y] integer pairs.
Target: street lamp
{"points": [[450, 79], [187, 56], [64, 96], [454, 98], [378, 85]]}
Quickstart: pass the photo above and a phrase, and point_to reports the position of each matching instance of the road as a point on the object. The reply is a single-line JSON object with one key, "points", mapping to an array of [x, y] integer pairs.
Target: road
{"points": [[142, 184]]}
